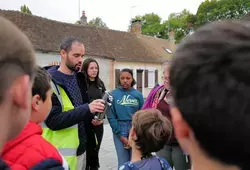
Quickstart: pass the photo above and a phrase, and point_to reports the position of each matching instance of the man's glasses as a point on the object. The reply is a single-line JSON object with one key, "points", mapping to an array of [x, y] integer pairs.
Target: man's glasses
{"points": [[165, 78]]}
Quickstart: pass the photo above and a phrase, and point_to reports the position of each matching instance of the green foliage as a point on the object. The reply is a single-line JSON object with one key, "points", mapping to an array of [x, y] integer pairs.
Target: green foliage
{"points": [[78, 22], [184, 23], [25, 9], [152, 24], [181, 23], [97, 22], [212, 10]]}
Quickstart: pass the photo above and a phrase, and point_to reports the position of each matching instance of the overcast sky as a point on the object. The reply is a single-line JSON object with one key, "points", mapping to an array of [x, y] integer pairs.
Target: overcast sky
{"points": [[115, 13]]}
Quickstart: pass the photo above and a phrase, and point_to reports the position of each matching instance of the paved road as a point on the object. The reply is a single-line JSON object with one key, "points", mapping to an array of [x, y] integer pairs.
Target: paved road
{"points": [[107, 155]]}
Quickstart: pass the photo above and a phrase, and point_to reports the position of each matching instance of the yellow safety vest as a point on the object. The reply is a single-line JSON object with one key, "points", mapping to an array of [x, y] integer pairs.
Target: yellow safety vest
{"points": [[65, 140]]}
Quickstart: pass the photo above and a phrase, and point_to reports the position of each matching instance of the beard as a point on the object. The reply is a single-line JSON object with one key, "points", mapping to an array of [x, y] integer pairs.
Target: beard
{"points": [[72, 66]]}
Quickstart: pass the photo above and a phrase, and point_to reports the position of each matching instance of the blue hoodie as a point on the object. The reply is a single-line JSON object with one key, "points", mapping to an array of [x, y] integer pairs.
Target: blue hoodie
{"points": [[125, 104]]}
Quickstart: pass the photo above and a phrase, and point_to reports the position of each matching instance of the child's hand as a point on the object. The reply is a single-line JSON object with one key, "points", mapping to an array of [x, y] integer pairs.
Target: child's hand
{"points": [[124, 140]]}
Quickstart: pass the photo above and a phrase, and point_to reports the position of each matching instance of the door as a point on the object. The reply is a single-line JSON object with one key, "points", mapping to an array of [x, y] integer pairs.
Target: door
{"points": [[139, 80], [117, 77]]}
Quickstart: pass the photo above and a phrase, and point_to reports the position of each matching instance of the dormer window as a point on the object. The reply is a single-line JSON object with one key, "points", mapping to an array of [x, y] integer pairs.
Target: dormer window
{"points": [[168, 50]]}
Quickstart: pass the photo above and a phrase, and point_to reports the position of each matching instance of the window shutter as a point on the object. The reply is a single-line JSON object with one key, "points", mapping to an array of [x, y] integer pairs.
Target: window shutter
{"points": [[156, 77], [133, 73], [146, 79], [117, 77]]}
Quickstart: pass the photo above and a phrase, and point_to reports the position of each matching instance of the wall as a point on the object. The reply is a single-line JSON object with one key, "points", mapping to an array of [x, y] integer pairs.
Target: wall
{"points": [[44, 59], [140, 66]]}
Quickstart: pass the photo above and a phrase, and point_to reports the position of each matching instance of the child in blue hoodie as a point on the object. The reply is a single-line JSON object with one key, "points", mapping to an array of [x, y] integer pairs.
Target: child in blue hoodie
{"points": [[149, 133], [126, 101]]}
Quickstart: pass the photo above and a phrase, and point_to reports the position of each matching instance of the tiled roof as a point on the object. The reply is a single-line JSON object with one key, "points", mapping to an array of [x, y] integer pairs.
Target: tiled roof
{"points": [[247, 17], [46, 36]]}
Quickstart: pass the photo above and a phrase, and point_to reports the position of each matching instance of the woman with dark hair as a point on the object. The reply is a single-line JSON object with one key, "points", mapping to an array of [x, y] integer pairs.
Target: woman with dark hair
{"points": [[93, 128], [126, 101]]}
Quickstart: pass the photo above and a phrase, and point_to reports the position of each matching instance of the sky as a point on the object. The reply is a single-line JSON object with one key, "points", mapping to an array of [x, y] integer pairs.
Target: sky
{"points": [[115, 13]]}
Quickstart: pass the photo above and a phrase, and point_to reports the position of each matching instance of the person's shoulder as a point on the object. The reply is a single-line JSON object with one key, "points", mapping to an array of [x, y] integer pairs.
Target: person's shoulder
{"points": [[102, 83], [45, 148], [137, 93], [164, 164], [115, 91], [127, 166], [38, 149]]}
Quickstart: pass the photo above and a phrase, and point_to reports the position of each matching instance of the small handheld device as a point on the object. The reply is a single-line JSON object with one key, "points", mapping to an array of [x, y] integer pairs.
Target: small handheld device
{"points": [[108, 98]]}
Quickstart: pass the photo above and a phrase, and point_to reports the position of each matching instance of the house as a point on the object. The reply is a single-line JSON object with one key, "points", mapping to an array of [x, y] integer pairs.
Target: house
{"points": [[114, 50]]}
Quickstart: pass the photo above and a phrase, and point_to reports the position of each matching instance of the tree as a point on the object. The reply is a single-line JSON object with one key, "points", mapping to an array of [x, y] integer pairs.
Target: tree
{"points": [[97, 22], [151, 24], [25, 9], [212, 10], [180, 23], [184, 23], [78, 22]]}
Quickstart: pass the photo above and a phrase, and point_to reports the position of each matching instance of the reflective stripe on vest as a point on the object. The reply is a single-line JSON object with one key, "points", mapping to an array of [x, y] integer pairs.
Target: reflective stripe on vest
{"points": [[65, 140]]}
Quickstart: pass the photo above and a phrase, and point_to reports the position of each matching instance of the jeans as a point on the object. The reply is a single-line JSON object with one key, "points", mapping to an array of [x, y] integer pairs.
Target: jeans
{"points": [[123, 155], [175, 157]]}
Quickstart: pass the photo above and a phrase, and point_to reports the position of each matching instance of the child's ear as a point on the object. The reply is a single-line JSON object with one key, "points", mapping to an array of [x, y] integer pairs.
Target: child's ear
{"points": [[133, 134], [35, 103]]}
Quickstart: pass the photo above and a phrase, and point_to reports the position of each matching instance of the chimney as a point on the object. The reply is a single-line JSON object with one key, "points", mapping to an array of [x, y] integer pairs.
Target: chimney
{"points": [[136, 26], [83, 19], [171, 36]]}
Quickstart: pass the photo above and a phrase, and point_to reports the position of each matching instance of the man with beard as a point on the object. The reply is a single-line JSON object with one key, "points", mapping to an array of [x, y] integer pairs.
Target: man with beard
{"points": [[64, 126]]}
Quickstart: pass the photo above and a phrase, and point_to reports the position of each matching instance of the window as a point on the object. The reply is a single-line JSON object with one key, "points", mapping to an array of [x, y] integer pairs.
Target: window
{"points": [[146, 79], [151, 79], [55, 63]]}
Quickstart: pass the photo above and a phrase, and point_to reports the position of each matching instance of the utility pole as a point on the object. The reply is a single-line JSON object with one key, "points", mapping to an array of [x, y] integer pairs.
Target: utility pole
{"points": [[131, 8], [79, 9]]}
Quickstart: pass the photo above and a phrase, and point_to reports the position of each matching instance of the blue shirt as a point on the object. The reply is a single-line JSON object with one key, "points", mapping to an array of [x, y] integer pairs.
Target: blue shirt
{"points": [[125, 104], [152, 163]]}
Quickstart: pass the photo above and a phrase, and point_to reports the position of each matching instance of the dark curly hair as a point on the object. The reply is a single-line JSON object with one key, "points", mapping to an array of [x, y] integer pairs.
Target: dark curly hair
{"points": [[210, 82]]}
